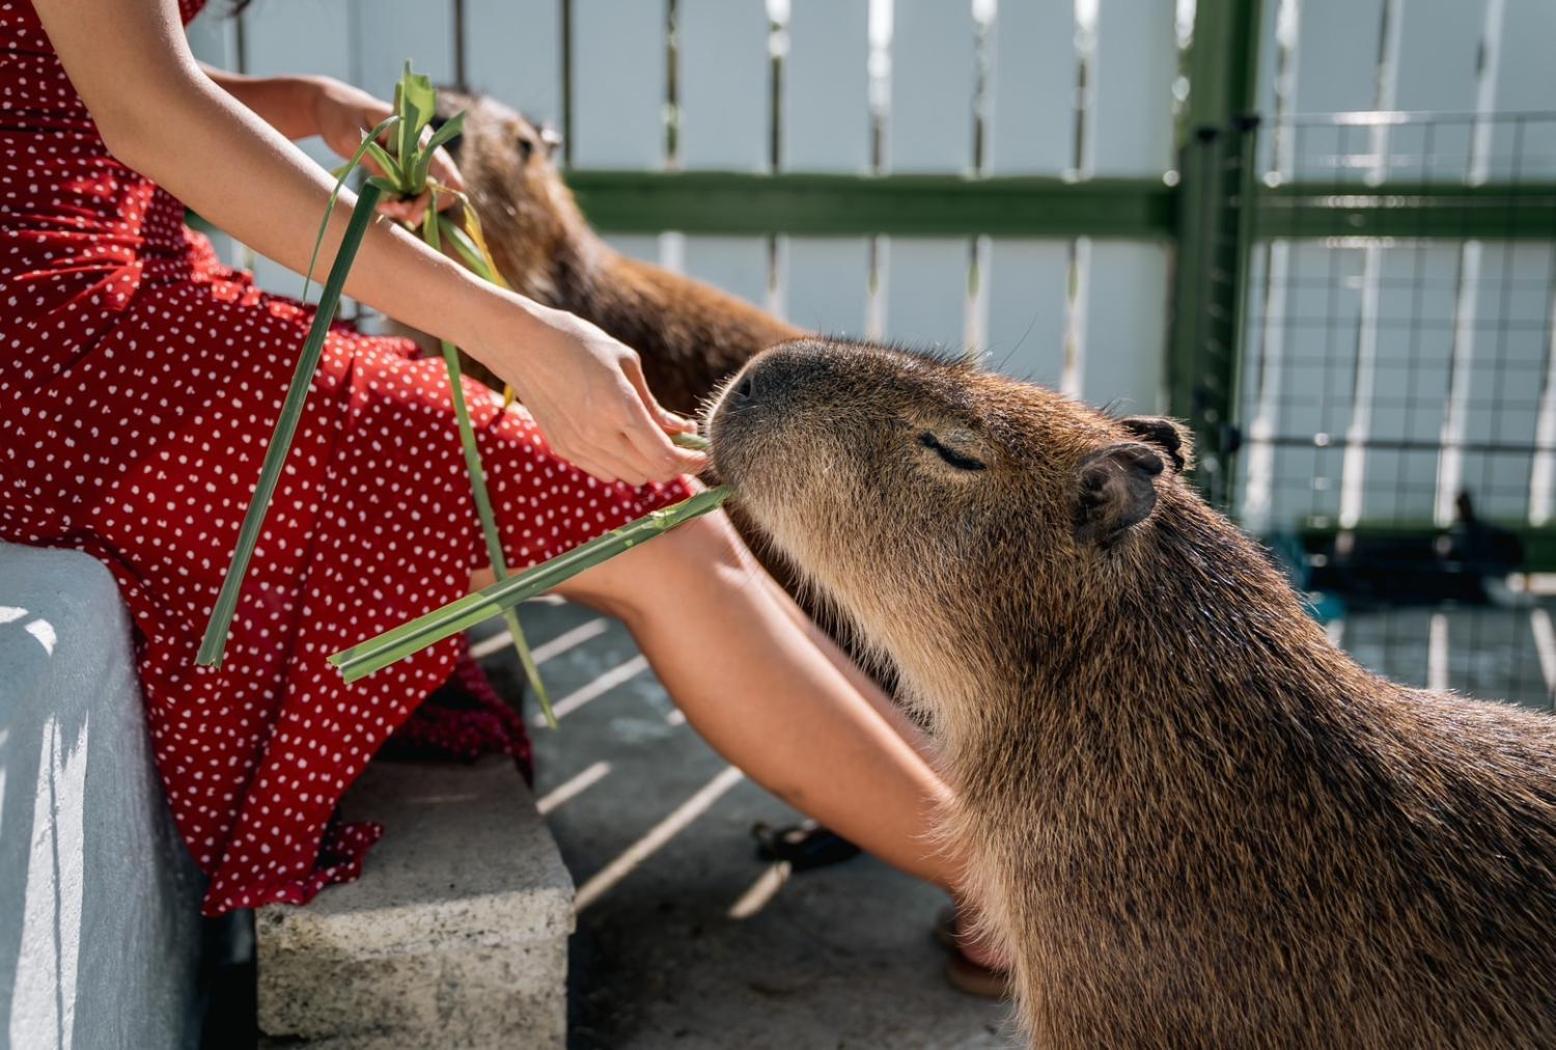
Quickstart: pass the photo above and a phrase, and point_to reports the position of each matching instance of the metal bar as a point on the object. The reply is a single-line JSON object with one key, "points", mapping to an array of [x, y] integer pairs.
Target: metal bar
{"points": [[1490, 211], [1136, 209], [854, 205], [1212, 237]]}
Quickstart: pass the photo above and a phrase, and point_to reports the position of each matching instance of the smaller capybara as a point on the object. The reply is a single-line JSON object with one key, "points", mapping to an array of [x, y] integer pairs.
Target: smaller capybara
{"points": [[690, 335], [1192, 821]]}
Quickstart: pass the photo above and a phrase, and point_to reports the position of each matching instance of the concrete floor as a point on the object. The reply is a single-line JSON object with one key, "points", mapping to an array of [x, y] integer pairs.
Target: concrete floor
{"points": [[840, 957]]}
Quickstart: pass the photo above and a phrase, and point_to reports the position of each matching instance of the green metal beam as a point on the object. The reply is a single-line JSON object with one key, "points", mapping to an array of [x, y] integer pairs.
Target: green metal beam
{"points": [[844, 205], [1491, 211], [1213, 235]]}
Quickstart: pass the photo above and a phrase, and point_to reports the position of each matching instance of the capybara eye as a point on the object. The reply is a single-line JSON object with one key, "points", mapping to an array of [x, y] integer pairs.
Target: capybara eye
{"points": [[959, 460], [526, 148]]}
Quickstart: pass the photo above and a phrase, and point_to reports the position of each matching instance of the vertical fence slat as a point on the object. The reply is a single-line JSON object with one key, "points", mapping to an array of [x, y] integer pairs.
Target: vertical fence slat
{"points": [[1525, 81], [387, 32], [1126, 326], [725, 123], [1028, 311], [513, 51], [724, 84], [642, 246], [1503, 403], [314, 37], [825, 108], [1031, 117], [736, 264], [1438, 71], [926, 290], [1129, 119], [1413, 364], [1032, 90], [1338, 43], [1317, 386], [824, 282], [618, 88], [933, 79], [929, 129]]}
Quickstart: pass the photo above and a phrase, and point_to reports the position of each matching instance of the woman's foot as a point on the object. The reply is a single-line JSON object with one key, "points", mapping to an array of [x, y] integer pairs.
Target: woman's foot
{"points": [[974, 968]]}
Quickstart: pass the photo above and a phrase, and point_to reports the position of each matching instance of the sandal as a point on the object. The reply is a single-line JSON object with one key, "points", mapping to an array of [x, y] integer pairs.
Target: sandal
{"points": [[976, 979], [803, 846], [985, 982]]}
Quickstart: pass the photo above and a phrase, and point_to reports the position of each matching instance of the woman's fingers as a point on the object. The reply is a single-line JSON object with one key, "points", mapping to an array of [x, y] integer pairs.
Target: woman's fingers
{"points": [[653, 454], [633, 367]]}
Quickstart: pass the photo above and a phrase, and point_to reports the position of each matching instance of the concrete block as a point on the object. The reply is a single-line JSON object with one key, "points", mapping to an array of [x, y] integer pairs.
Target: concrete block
{"points": [[456, 934], [99, 901]]}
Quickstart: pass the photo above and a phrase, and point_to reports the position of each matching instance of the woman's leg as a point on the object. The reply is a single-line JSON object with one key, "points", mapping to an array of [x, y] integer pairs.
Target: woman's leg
{"points": [[770, 693]]}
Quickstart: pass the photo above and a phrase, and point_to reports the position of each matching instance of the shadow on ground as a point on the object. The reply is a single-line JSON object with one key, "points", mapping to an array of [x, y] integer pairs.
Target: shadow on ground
{"points": [[840, 957]]}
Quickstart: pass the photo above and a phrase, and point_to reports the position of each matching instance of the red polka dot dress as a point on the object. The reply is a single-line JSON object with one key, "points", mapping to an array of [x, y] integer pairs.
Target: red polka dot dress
{"points": [[139, 382]]}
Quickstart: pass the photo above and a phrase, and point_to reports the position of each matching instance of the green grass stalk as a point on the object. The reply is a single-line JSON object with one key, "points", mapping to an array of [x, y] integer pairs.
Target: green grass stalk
{"points": [[431, 233], [214, 644], [393, 645]]}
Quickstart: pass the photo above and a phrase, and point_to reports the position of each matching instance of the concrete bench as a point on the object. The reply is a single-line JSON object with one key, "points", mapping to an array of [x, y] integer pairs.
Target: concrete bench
{"points": [[455, 935], [99, 901]]}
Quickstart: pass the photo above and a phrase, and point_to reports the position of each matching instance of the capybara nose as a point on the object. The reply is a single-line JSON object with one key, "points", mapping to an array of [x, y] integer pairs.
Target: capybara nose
{"points": [[745, 390]]}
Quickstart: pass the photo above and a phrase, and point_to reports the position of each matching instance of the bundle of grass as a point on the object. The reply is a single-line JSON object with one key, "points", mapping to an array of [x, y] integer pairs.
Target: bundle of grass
{"points": [[402, 149]]}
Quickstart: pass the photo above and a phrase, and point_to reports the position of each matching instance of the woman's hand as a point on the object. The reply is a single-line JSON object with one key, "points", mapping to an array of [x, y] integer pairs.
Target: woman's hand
{"points": [[342, 114], [587, 394]]}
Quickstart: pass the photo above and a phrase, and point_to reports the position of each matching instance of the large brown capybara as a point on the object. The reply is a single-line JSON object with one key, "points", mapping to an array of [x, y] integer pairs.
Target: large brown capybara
{"points": [[1192, 820]]}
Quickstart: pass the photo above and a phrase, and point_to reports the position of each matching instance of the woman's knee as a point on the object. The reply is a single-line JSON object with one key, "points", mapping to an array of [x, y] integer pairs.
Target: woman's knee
{"points": [[699, 557]]}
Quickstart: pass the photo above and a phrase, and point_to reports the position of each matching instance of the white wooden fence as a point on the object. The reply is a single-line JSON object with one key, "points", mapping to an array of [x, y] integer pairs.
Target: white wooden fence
{"points": [[1439, 343], [1078, 90], [1089, 316]]}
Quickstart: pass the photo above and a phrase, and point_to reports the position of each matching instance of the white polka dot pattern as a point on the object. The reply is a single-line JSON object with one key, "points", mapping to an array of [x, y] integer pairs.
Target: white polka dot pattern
{"points": [[139, 382]]}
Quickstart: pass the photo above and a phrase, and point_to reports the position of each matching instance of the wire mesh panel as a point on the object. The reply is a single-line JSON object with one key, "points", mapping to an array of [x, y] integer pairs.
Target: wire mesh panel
{"points": [[1396, 398]]}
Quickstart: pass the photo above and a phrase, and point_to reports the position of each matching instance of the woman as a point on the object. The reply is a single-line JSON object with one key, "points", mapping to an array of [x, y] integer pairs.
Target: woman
{"points": [[141, 380]]}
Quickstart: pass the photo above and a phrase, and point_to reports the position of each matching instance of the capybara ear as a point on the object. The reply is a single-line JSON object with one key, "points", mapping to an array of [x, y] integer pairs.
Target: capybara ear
{"points": [[1116, 491], [1169, 435]]}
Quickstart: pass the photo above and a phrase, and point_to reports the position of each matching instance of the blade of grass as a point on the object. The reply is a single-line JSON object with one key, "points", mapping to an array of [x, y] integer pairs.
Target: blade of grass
{"points": [[450, 128], [214, 643], [430, 227], [374, 654], [341, 173]]}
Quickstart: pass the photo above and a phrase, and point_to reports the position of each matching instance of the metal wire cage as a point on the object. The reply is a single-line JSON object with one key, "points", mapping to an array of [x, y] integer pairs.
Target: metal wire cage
{"points": [[1374, 369]]}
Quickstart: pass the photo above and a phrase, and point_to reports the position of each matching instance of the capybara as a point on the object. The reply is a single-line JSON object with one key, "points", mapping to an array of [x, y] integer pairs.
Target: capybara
{"points": [[690, 335], [1192, 821]]}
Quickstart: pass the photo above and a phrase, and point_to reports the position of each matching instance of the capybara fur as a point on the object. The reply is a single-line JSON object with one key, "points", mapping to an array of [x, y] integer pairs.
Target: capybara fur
{"points": [[1191, 819], [689, 335]]}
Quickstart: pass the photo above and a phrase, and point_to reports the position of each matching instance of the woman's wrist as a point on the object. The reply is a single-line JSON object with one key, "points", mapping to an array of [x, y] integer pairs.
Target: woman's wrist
{"points": [[501, 329]]}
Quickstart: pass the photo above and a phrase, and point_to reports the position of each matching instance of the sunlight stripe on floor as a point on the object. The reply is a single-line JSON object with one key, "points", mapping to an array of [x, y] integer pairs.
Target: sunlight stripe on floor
{"points": [[1545, 648], [570, 789], [555, 647], [1437, 652], [762, 891], [597, 688], [603, 881]]}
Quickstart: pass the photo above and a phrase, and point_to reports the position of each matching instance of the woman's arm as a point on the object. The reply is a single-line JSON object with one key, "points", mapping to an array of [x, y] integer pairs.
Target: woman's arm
{"points": [[303, 106], [159, 113], [286, 103]]}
